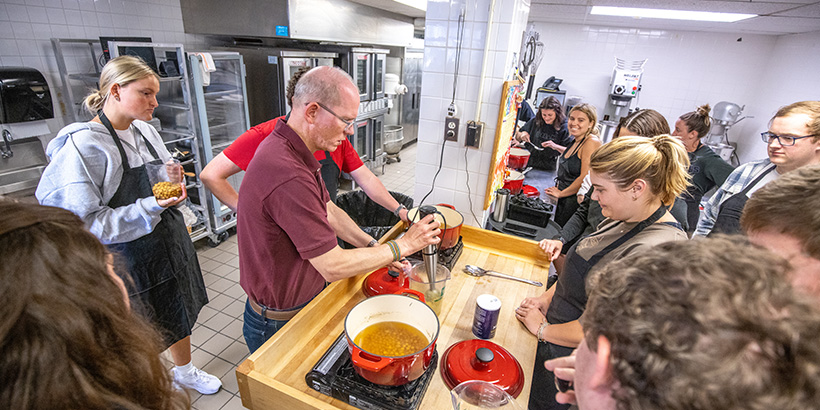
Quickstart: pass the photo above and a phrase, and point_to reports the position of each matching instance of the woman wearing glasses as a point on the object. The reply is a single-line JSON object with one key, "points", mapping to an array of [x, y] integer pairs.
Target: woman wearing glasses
{"points": [[793, 141], [345, 159], [706, 168]]}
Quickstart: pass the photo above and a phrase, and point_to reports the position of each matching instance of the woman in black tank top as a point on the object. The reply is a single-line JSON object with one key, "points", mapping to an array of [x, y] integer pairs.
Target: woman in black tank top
{"points": [[574, 163]]}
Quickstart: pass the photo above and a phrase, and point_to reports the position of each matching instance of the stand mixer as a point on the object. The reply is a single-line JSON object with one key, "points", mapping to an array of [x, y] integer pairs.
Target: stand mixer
{"points": [[724, 115]]}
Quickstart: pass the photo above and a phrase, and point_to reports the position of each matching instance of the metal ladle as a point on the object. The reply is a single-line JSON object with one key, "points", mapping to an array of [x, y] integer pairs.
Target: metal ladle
{"points": [[537, 148], [473, 270]]}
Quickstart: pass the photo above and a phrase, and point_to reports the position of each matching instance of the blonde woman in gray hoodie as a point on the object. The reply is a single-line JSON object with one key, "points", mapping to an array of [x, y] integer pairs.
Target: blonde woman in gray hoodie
{"points": [[98, 171]]}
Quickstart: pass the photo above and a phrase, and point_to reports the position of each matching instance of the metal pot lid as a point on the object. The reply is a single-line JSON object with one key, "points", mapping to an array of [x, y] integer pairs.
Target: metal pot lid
{"points": [[484, 360], [383, 282], [519, 152]]}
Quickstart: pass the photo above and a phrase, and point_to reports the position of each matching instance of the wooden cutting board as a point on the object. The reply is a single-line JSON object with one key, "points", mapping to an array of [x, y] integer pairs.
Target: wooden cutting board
{"points": [[274, 376]]}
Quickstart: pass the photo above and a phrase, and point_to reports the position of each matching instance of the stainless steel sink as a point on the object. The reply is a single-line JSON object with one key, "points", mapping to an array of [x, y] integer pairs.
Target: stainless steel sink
{"points": [[22, 171]]}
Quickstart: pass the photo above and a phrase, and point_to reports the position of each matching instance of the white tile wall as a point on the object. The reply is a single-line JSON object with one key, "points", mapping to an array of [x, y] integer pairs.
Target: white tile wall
{"points": [[686, 69], [509, 19], [26, 27]]}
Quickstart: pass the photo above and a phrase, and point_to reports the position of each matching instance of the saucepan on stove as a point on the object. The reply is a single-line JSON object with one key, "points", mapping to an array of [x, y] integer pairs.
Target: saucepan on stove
{"points": [[391, 338], [514, 181], [518, 158], [450, 221]]}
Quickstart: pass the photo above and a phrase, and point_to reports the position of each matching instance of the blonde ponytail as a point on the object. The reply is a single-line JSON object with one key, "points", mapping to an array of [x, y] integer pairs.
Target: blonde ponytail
{"points": [[661, 161], [122, 70]]}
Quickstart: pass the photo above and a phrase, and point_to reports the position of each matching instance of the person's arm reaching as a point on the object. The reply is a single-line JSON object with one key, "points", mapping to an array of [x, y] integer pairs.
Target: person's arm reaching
{"points": [[375, 189], [215, 177], [341, 263]]}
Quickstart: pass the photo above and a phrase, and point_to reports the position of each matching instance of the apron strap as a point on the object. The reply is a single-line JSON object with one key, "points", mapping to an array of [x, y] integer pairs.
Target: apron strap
{"points": [[147, 144], [757, 180], [629, 235], [104, 120]]}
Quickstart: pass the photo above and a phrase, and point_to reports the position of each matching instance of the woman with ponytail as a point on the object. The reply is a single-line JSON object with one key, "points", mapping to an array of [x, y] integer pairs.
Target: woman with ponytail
{"points": [[573, 164], [635, 180], [98, 171], [706, 168]]}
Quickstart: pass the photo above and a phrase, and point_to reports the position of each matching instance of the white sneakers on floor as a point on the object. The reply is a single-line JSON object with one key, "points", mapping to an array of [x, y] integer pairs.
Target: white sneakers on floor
{"points": [[198, 380]]}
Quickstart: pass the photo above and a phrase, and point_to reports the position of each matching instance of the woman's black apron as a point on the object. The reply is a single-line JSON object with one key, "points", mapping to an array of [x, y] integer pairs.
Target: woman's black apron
{"points": [[167, 286], [576, 269], [330, 174], [728, 219], [569, 169]]}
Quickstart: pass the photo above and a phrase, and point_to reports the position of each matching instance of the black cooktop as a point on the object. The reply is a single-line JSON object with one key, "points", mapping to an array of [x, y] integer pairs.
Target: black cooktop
{"points": [[334, 376]]}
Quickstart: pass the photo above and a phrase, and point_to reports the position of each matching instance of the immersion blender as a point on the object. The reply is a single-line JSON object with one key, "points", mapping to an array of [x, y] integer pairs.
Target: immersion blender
{"points": [[430, 252]]}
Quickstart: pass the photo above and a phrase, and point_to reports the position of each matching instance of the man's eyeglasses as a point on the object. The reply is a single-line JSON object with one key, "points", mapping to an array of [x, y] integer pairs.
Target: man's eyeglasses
{"points": [[349, 125], [783, 140]]}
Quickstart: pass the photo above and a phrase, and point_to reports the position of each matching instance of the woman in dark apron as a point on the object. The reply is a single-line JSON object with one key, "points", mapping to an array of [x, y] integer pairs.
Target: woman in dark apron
{"points": [[545, 135], [98, 171], [634, 196], [573, 164]]}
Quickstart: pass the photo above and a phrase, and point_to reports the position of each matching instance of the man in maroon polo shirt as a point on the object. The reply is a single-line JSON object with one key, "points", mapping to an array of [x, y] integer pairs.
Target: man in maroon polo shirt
{"points": [[287, 247]]}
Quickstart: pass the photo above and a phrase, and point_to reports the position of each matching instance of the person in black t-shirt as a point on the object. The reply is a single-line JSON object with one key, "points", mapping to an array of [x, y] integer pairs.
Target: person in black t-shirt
{"points": [[548, 130]]}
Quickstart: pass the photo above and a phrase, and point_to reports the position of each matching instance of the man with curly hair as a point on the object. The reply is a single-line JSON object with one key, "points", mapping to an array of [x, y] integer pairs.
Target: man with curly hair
{"points": [[784, 218], [696, 325]]}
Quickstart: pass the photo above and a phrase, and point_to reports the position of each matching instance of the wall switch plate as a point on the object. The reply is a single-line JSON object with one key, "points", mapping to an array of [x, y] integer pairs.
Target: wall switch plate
{"points": [[450, 129], [474, 132]]}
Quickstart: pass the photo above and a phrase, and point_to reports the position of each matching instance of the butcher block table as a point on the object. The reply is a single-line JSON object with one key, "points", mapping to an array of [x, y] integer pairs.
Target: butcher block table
{"points": [[274, 376]]}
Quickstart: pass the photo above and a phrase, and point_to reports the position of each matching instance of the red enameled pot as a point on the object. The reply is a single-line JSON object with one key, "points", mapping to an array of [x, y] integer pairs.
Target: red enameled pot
{"points": [[518, 158], [514, 182], [385, 281], [450, 220], [484, 360], [388, 370]]}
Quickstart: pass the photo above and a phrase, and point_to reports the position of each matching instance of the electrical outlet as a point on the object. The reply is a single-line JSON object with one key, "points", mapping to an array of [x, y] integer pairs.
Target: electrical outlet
{"points": [[473, 135], [451, 129]]}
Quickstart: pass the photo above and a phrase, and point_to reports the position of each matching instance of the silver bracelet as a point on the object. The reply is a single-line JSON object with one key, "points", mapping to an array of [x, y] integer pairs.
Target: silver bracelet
{"points": [[372, 243], [396, 212], [541, 328]]}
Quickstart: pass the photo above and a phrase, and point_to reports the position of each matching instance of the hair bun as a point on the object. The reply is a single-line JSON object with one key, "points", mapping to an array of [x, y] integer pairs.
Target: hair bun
{"points": [[704, 110]]}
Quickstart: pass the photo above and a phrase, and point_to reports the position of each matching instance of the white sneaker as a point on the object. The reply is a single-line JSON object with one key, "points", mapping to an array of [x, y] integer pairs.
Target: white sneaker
{"points": [[198, 380]]}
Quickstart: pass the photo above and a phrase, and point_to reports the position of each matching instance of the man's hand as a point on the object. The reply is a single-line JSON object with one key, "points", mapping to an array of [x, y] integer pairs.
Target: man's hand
{"points": [[564, 369], [422, 233]]}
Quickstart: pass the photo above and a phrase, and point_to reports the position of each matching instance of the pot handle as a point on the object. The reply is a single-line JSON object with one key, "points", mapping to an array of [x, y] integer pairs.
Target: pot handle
{"points": [[366, 361], [408, 292]]}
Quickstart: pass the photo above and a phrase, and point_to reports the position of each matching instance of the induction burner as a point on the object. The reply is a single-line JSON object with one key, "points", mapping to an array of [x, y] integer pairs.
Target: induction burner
{"points": [[446, 257], [333, 375]]}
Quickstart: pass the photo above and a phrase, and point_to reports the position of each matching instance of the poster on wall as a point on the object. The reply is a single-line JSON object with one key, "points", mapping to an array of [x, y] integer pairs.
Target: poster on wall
{"points": [[507, 114]]}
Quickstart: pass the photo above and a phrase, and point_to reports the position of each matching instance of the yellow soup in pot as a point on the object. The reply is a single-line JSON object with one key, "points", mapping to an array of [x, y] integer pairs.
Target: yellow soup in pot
{"points": [[391, 339]]}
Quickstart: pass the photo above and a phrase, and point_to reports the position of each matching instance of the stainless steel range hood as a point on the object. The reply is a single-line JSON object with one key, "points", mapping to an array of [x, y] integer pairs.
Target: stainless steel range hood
{"points": [[340, 21]]}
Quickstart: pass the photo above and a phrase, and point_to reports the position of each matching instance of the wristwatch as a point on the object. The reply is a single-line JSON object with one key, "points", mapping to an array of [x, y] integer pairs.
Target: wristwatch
{"points": [[396, 212], [372, 243]]}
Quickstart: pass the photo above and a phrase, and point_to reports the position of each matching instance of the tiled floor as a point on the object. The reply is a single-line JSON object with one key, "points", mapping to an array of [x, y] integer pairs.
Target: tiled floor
{"points": [[218, 346]]}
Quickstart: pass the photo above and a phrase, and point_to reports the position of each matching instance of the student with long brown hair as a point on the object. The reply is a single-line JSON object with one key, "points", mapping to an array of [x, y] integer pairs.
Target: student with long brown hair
{"points": [[68, 339]]}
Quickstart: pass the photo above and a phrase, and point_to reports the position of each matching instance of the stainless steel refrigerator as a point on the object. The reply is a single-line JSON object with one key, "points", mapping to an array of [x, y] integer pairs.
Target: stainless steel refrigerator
{"points": [[268, 72], [413, 63]]}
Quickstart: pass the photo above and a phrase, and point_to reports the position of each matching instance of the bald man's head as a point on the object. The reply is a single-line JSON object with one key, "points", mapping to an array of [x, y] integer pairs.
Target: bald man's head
{"points": [[330, 85]]}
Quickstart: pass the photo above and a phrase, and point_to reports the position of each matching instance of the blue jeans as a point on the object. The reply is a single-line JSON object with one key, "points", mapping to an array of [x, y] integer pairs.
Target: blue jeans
{"points": [[257, 328]]}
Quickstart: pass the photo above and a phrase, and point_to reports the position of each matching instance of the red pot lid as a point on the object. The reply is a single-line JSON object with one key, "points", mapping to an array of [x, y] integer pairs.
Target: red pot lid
{"points": [[531, 191], [484, 360], [384, 281]]}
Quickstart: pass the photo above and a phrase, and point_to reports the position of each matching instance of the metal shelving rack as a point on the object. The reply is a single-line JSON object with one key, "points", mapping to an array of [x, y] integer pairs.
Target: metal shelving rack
{"points": [[222, 114], [175, 114]]}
